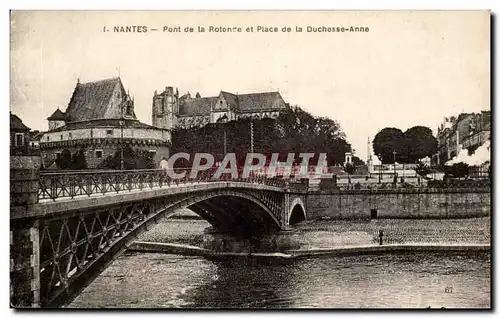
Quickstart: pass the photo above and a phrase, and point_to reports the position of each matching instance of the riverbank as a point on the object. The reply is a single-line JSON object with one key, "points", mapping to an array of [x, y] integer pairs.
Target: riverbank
{"points": [[188, 250], [324, 233]]}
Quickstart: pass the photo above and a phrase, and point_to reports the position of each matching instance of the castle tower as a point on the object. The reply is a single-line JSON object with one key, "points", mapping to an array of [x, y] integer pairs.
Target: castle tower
{"points": [[165, 108]]}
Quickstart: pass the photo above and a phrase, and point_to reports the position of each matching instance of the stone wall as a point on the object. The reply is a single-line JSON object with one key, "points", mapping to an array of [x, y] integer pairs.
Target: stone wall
{"points": [[110, 132], [402, 204], [24, 234], [48, 155]]}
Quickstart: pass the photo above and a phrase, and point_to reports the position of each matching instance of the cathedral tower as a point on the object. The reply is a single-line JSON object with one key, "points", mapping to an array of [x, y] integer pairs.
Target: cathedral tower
{"points": [[165, 108]]}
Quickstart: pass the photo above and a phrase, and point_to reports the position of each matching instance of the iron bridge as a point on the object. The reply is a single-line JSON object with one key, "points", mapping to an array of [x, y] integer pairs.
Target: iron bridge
{"points": [[84, 220]]}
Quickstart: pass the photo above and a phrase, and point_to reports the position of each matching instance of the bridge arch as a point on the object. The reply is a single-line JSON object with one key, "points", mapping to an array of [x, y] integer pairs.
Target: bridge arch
{"points": [[297, 212], [92, 239], [234, 211]]}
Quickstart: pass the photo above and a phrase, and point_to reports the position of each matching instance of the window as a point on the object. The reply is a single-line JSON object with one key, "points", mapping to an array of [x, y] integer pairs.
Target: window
{"points": [[19, 140], [48, 138], [70, 136], [58, 155], [109, 132], [98, 154], [61, 137]]}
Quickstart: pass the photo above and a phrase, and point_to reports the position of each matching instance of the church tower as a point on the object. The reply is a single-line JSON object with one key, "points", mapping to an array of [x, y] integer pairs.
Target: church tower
{"points": [[165, 108]]}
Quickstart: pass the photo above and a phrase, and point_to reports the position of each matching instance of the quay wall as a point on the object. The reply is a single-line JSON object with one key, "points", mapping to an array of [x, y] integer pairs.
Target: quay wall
{"points": [[429, 203]]}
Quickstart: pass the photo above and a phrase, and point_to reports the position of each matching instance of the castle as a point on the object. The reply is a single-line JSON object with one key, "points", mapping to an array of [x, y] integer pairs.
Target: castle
{"points": [[100, 119], [171, 111]]}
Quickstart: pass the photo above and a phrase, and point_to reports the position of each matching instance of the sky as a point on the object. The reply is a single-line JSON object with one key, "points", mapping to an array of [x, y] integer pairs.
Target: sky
{"points": [[411, 68]]}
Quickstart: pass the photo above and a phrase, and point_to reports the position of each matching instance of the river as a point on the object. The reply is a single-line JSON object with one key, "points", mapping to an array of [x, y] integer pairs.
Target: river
{"points": [[409, 280]]}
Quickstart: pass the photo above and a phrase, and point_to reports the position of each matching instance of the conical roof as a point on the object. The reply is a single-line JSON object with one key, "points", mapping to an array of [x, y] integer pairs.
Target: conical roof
{"points": [[57, 115]]}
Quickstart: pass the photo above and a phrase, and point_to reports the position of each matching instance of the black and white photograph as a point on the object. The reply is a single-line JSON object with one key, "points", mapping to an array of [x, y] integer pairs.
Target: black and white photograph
{"points": [[244, 159]]}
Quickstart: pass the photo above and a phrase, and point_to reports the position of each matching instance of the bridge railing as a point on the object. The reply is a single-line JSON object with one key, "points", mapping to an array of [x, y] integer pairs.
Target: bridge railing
{"points": [[72, 184]]}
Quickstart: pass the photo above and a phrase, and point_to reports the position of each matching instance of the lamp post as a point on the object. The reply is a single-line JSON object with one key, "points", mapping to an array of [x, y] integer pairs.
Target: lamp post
{"points": [[122, 122], [251, 135], [223, 121], [225, 149], [394, 153], [380, 172]]}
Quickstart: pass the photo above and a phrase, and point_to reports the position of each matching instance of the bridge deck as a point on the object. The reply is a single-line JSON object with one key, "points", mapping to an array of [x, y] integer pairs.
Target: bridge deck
{"points": [[64, 204]]}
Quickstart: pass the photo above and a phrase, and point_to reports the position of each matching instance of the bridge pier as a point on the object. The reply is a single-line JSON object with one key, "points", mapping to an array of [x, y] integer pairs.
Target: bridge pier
{"points": [[24, 234]]}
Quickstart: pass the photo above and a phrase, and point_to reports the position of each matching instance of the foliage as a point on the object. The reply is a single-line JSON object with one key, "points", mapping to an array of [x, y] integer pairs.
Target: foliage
{"points": [[349, 168], [386, 142], [78, 161], [420, 143], [357, 161], [64, 160], [132, 159], [458, 170], [294, 131], [414, 144], [422, 169], [472, 149]]}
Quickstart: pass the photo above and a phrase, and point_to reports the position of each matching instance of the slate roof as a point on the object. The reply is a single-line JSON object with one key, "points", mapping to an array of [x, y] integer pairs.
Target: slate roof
{"points": [[197, 106], [245, 103], [57, 115], [17, 124], [258, 101], [231, 100], [35, 135], [92, 100], [128, 123]]}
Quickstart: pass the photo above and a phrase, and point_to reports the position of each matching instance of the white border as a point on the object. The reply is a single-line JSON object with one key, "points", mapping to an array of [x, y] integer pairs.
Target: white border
{"points": [[494, 5]]}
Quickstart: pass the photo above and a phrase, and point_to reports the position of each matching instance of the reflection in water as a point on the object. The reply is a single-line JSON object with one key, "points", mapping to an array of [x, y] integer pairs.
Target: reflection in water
{"points": [[268, 243], [405, 280]]}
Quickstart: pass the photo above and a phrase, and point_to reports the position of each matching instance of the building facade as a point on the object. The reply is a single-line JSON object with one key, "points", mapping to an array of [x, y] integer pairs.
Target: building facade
{"points": [[466, 131], [100, 120], [170, 110], [19, 136]]}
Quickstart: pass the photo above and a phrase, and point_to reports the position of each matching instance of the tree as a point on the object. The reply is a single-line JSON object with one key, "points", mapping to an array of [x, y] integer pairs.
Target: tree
{"points": [[386, 142], [293, 131], [130, 160], [78, 161], [414, 144], [349, 168], [357, 161], [144, 160], [457, 170], [420, 143], [422, 170], [64, 160]]}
